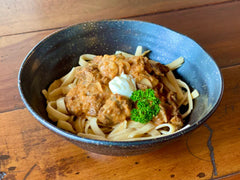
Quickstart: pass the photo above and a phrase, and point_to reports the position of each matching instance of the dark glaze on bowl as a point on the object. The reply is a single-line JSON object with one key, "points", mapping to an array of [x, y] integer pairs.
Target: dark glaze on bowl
{"points": [[58, 53]]}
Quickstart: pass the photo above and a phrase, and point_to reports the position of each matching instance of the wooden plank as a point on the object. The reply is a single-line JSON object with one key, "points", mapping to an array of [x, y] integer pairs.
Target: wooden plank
{"points": [[28, 15], [29, 151], [222, 42], [13, 49], [215, 28]]}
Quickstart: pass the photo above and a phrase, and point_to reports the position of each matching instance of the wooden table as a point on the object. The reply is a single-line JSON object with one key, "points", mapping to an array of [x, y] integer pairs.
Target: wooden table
{"points": [[30, 151]]}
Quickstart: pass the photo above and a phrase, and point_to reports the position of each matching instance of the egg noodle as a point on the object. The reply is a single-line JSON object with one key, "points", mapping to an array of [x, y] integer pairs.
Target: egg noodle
{"points": [[90, 125]]}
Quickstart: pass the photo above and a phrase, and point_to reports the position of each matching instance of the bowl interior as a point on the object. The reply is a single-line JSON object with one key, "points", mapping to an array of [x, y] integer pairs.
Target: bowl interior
{"points": [[58, 53]]}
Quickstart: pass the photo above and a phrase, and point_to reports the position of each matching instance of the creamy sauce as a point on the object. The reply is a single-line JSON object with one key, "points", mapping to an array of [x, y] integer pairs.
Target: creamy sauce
{"points": [[106, 83]]}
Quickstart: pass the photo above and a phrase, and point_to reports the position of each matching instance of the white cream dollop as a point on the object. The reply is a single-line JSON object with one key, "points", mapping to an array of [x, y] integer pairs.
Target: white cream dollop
{"points": [[123, 85]]}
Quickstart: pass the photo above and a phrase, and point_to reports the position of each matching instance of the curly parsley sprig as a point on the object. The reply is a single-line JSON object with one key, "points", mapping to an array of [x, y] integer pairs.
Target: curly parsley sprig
{"points": [[147, 105]]}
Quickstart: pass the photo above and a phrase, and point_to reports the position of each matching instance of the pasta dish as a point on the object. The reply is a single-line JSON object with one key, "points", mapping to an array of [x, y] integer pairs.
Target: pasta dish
{"points": [[120, 97]]}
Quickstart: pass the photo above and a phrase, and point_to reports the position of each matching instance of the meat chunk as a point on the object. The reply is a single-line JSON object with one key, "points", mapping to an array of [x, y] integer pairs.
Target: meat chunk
{"points": [[89, 94], [81, 100], [116, 109], [137, 65], [158, 68], [108, 67], [88, 74], [177, 121]]}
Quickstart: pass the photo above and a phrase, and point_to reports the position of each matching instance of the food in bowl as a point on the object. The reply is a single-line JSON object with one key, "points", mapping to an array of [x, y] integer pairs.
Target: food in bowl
{"points": [[56, 54], [120, 97]]}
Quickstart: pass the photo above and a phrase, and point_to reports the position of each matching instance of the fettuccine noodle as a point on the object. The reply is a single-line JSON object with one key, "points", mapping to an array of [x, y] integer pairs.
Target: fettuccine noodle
{"points": [[82, 103]]}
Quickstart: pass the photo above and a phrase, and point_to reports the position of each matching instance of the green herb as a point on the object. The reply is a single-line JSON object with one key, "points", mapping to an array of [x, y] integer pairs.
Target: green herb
{"points": [[147, 105]]}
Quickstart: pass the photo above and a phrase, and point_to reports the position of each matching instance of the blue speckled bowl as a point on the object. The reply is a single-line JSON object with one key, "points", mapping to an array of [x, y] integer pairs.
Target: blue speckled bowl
{"points": [[58, 53]]}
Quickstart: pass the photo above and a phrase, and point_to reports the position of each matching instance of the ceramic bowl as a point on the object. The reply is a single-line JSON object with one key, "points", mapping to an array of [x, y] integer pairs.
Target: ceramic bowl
{"points": [[55, 55]]}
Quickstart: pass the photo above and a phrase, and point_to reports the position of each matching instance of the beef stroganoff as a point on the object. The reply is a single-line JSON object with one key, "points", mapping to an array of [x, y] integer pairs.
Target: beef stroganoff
{"points": [[120, 97]]}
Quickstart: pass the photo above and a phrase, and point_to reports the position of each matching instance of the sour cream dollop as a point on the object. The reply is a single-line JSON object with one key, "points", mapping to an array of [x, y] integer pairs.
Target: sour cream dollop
{"points": [[123, 85]]}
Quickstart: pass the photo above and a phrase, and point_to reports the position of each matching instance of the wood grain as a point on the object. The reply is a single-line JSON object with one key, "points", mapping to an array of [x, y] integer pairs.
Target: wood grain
{"points": [[28, 15], [13, 50], [223, 45], [215, 28], [30, 151]]}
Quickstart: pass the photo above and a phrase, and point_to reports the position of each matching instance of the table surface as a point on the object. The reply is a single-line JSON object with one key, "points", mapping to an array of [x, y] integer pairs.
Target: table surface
{"points": [[30, 151]]}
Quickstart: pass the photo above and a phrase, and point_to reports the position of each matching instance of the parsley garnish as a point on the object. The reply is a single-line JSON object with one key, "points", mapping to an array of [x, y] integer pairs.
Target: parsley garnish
{"points": [[147, 105]]}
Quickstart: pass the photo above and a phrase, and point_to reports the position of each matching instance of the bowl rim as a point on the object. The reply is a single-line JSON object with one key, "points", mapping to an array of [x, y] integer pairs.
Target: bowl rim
{"points": [[74, 137]]}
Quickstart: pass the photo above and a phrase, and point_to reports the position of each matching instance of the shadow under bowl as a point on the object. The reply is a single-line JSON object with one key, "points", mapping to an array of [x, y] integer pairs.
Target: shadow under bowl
{"points": [[55, 55]]}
